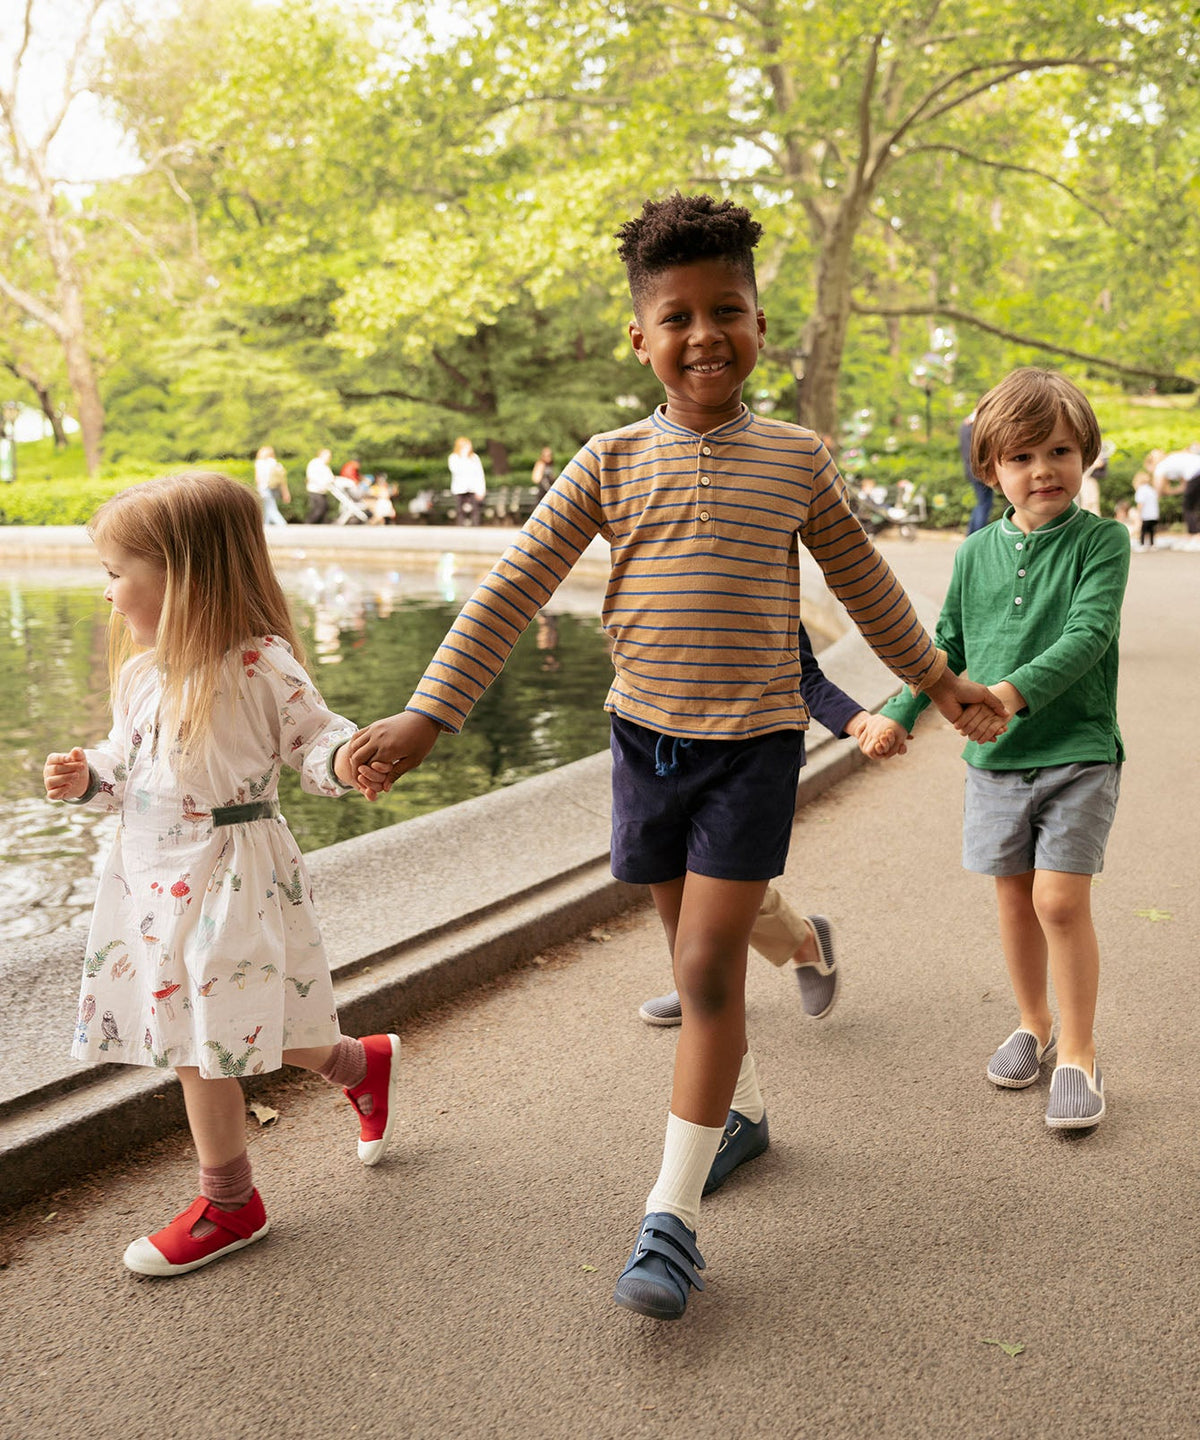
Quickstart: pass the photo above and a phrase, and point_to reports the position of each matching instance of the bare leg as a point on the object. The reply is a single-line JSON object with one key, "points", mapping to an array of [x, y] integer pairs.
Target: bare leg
{"points": [[1064, 907], [216, 1112], [1025, 951], [708, 923], [313, 1059]]}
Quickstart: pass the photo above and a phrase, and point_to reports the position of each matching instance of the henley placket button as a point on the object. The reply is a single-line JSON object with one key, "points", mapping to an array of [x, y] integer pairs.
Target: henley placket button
{"points": [[1021, 572], [704, 480], [704, 450], [1017, 601], [704, 514]]}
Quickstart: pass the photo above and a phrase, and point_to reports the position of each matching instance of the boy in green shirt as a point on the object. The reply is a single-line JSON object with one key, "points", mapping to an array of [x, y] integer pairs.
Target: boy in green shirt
{"points": [[1033, 611]]}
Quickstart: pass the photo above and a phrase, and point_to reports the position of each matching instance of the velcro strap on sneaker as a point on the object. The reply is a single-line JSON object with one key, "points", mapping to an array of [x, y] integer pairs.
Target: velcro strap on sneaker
{"points": [[667, 1236], [237, 1222]]}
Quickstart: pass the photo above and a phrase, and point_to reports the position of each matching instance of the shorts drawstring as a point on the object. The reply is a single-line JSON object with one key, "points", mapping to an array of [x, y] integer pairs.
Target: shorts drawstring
{"points": [[663, 766]]}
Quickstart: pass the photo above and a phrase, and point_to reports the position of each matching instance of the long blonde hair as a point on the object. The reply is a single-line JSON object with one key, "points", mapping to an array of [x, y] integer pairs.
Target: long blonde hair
{"points": [[205, 531]]}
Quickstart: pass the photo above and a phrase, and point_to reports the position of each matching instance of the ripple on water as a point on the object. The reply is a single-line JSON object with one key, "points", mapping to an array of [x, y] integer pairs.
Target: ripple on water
{"points": [[51, 858]]}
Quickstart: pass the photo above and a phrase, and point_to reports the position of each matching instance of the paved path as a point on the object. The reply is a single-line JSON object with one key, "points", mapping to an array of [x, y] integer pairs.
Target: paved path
{"points": [[906, 1214]]}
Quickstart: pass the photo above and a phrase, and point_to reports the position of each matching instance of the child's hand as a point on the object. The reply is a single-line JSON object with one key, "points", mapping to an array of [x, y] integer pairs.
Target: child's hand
{"points": [[65, 776], [881, 737], [980, 724], [343, 768], [389, 748], [955, 694]]}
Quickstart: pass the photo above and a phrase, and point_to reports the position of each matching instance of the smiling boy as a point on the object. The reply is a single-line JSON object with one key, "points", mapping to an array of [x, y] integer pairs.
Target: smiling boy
{"points": [[701, 503], [1034, 611]]}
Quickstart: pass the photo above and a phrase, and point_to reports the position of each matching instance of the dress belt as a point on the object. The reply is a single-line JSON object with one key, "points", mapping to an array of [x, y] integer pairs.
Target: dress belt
{"points": [[240, 814]]}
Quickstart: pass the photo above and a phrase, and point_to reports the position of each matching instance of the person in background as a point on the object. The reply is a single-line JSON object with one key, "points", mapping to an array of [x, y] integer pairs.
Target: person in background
{"points": [[270, 480], [542, 474], [357, 484], [1146, 496], [318, 481], [467, 483], [982, 513]]}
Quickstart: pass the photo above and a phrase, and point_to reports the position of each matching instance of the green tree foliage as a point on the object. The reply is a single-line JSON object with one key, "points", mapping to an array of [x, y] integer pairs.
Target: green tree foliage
{"points": [[379, 229]]}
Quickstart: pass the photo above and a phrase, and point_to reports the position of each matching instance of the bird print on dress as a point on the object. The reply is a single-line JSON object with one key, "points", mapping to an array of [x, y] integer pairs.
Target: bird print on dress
{"points": [[87, 1009], [108, 1028]]}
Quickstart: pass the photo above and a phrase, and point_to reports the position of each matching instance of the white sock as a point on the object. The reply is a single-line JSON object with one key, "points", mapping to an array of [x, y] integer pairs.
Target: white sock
{"points": [[688, 1153], [747, 1097]]}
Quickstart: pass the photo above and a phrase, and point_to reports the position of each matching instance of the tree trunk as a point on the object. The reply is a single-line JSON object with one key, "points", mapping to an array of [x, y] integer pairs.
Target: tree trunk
{"points": [[824, 337], [498, 458], [45, 403], [72, 332]]}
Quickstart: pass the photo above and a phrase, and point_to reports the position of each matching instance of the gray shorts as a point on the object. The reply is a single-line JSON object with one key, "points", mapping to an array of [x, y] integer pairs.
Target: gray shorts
{"points": [[1054, 818]]}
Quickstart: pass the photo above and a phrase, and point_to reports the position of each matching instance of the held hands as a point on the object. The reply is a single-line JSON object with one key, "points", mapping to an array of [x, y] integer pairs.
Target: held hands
{"points": [[879, 738], [977, 712], [386, 749], [882, 738], [983, 725], [65, 776]]}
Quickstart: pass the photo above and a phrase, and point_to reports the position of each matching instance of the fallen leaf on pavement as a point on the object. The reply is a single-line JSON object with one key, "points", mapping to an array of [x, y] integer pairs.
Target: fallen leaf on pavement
{"points": [[263, 1113], [1009, 1347]]}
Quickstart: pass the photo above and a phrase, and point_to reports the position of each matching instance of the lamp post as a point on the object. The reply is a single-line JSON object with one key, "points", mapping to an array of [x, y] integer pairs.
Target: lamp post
{"points": [[935, 367], [8, 444]]}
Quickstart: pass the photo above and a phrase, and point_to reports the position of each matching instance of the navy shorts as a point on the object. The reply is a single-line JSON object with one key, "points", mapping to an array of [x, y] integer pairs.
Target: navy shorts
{"points": [[722, 808]]}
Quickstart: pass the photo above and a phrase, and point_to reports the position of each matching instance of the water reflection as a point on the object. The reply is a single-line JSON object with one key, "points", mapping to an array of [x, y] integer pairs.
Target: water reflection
{"points": [[369, 633]]}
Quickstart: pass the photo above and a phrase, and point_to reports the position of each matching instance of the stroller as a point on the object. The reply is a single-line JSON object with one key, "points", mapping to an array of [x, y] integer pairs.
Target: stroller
{"points": [[350, 511], [878, 508]]}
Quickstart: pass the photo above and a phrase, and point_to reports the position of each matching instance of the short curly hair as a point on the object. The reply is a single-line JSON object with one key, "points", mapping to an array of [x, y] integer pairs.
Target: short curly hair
{"points": [[1023, 409], [681, 229]]}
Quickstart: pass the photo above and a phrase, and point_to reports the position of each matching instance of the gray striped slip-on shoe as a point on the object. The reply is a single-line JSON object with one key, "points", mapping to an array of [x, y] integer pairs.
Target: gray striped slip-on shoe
{"points": [[1076, 1098], [819, 983], [662, 1010], [1018, 1062]]}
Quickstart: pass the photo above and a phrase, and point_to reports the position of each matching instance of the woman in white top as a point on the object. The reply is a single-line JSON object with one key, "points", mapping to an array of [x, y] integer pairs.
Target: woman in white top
{"points": [[467, 484]]}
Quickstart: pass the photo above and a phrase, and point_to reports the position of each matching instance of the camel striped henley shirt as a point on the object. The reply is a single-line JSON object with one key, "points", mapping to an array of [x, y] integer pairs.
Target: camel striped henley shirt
{"points": [[703, 599]]}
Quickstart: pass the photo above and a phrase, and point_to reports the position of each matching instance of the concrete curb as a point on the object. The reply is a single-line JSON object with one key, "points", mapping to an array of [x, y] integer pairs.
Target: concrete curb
{"points": [[462, 911]]}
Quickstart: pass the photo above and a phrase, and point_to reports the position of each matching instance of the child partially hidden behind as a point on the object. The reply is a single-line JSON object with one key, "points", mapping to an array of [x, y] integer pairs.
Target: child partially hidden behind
{"points": [[1034, 611]]}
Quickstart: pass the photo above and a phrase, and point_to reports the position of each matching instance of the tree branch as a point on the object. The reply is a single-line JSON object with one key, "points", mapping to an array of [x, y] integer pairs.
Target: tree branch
{"points": [[33, 307], [963, 317], [1006, 70], [389, 393], [1016, 169]]}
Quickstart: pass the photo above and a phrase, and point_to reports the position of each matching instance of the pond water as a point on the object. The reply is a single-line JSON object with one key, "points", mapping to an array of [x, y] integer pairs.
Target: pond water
{"points": [[369, 634]]}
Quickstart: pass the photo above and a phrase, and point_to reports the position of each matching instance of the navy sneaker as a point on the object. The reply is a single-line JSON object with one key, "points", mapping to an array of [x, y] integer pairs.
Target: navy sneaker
{"points": [[743, 1140], [662, 1269]]}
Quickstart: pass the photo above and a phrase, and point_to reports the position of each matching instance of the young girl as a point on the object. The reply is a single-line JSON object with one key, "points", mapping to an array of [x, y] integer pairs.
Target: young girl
{"points": [[204, 952]]}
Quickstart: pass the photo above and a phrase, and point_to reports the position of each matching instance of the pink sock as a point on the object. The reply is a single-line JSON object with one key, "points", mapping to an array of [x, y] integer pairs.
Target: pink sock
{"points": [[229, 1186], [347, 1066]]}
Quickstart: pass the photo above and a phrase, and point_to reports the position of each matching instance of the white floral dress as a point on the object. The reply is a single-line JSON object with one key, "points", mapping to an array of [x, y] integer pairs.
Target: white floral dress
{"points": [[204, 947]]}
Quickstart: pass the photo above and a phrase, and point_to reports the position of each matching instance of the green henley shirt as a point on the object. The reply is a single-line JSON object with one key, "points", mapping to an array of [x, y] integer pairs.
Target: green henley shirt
{"points": [[1042, 611]]}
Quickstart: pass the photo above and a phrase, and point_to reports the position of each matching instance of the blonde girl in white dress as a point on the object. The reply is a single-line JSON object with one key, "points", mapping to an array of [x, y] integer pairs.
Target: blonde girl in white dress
{"points": [[204, 953]]}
